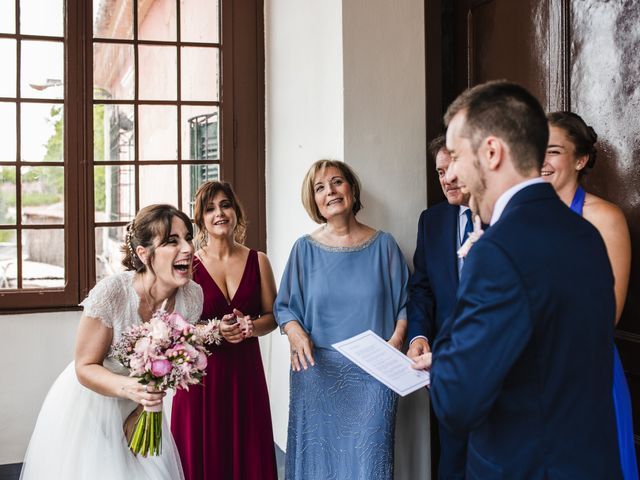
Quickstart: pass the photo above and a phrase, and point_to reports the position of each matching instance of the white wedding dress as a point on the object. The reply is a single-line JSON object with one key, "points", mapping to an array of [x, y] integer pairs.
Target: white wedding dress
{"points": [[79, 433]]}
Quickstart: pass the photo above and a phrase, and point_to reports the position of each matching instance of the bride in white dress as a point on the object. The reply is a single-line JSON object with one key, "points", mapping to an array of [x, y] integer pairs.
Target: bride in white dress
{"points": [[79, 433]]}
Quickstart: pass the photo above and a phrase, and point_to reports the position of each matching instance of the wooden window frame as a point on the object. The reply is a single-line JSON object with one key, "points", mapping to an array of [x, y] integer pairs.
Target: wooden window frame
{"points": [[241, 141]]}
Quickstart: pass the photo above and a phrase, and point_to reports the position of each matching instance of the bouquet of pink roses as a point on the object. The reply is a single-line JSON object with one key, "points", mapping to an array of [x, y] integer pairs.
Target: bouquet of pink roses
{"points": [[168, 352]]}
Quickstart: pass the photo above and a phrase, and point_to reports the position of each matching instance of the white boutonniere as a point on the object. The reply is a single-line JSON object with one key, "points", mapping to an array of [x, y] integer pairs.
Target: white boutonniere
{"points": [[473, 237]]}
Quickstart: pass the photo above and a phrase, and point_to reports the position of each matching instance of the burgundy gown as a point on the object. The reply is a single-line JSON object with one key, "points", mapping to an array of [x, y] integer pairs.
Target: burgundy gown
{"points": [[223, 427]]}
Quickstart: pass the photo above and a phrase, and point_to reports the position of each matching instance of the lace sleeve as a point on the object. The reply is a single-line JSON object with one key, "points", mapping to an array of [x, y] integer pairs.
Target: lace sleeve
{"points": [[103, 299], [193, 300]]}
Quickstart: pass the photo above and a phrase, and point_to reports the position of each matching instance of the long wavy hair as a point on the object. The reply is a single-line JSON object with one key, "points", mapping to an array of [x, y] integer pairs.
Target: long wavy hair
{"points": [[204, 196]]}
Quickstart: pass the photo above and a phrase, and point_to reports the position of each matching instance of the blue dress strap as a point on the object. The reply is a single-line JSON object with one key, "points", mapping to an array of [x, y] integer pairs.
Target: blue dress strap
{"points": [[578, 200]]}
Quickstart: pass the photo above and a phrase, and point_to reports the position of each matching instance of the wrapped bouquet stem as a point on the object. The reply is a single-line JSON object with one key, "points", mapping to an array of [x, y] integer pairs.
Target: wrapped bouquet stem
{"points": [[166, 352], [146, 438]]}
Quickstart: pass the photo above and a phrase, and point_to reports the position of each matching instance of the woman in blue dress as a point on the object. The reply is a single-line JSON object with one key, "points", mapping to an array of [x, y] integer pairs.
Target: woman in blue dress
{"points": [[570, 153], [341, 280]]}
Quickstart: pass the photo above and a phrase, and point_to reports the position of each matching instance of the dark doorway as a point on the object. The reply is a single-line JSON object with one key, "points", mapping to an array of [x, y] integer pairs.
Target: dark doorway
{"points": [[578, 55]]}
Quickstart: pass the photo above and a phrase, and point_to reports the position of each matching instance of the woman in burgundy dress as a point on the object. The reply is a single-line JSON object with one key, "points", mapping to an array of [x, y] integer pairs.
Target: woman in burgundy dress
{"points": [[223, 427]]}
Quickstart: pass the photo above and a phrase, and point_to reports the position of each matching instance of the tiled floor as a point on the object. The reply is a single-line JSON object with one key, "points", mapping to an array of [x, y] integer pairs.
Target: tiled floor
{"points": [[12, 471], [279, 461]]}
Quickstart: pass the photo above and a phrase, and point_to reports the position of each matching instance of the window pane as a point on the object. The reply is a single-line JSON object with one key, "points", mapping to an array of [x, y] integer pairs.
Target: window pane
{"points": [[158, 184], [109, 22], [8, 132], [41, 17], [43, 258], [200, 79], [113, 132], [108, 254], [199, 21], [7, 17], [8, 56], [42, 132], [158, 132], [115, 196], [200, 133], [42, 191], [42, 73], [192, 177], [7, 196], [8, 259], [157, 20], [113, 71], [157, 73]]}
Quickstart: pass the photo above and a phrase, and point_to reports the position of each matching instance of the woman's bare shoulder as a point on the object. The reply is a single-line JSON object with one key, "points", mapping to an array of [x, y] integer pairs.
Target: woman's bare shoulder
{"points": [[262, 257], [603, 214]]}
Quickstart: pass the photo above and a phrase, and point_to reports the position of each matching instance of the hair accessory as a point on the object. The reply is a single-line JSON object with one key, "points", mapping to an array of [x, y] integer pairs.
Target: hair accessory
{"points": [[127, 239]]}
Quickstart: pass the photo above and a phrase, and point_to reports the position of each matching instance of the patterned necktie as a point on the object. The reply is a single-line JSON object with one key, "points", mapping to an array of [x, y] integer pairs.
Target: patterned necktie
{"points": [[468, 228]]}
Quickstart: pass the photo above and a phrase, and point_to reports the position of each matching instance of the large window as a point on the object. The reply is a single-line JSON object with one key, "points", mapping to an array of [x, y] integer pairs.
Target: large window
{"points": [[108, 106]]}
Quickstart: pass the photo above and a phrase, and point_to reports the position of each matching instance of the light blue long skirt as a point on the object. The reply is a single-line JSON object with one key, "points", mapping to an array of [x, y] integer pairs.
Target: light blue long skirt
{"points": [[341, 422]]}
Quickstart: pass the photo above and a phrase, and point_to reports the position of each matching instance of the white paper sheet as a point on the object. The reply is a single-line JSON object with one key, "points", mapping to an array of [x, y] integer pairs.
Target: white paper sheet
{"points": [[383, 362]]}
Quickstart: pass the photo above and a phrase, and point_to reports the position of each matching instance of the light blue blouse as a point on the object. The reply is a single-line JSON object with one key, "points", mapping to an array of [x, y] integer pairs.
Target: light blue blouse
{"points": [[337, 292]]}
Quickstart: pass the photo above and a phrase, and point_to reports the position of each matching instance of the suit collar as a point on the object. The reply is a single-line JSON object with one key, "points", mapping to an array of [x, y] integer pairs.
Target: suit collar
{"points": [[537, 191], [506, 196]]}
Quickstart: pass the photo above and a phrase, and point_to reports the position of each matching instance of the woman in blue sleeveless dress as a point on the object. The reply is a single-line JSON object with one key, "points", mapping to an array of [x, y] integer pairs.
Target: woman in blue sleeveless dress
{"points": [[343, 279], [570, 153]]}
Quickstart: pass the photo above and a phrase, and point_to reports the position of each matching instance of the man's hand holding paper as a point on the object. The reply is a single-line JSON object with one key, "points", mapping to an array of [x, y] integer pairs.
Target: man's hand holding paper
{"points": [[386, 364]]}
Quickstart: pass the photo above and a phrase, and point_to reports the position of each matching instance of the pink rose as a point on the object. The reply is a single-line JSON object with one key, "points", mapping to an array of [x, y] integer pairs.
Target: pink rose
{"points": [[201, 361], [136, 365], [178, 322], [190, 351], [159, 329], [160, 368], [142, 346]]}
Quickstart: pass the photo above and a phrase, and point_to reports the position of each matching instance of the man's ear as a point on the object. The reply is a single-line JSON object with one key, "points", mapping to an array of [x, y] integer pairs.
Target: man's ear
{"points": [[494, 150]]}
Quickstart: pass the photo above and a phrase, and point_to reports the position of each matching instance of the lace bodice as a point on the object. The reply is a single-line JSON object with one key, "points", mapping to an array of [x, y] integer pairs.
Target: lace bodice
{"points": [[115, 302]]}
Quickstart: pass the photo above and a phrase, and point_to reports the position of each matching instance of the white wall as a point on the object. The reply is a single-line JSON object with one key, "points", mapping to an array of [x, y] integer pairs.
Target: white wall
{"points": [[304, 122], [345, 80], [384, 111], [35, 349], [385, 141]]}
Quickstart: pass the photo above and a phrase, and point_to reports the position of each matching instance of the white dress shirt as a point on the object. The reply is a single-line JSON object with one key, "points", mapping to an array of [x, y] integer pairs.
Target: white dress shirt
{"points": [[506, 196], [462, 223]]}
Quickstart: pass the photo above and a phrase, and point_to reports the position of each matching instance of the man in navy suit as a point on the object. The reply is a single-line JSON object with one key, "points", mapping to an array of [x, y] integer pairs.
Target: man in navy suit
{"points": [[524, 364], [433, 286]]}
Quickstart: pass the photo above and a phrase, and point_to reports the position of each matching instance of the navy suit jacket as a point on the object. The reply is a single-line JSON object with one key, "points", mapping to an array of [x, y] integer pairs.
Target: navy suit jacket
{"points": [[433, 285], [525, 363]]}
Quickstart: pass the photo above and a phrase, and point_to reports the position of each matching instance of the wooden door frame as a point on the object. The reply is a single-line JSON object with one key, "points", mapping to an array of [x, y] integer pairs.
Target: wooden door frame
{"points": [[247, 169], [434, 74]]}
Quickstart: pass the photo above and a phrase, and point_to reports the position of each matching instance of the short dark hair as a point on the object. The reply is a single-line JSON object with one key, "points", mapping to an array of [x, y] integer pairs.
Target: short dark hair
{"points": [[435, 145], [583, 136], [508, 111]]}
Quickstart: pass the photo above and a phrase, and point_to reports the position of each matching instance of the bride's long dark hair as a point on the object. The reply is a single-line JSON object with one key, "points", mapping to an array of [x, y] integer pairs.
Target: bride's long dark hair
{"points": [[150, 223]]}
